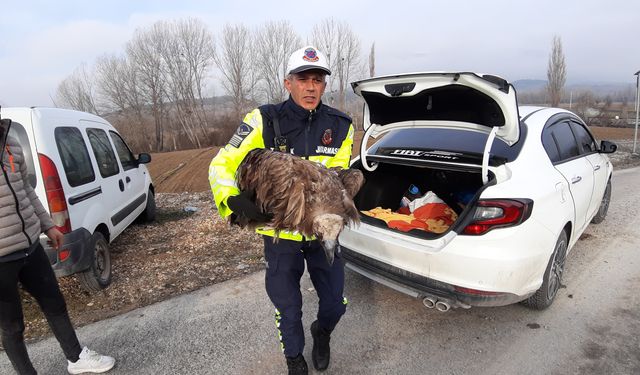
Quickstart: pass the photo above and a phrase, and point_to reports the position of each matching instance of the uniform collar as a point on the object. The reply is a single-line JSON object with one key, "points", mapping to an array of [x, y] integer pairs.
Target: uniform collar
{"points": [[298, 111]]}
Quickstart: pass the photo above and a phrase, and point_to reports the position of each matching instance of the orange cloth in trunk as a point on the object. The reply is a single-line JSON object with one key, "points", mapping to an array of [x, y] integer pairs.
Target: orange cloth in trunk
{"points": [[432, 217]]}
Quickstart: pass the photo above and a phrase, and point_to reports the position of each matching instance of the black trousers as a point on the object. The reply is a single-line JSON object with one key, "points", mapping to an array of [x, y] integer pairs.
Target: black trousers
{"points": [[285, 267], [36, 276]]}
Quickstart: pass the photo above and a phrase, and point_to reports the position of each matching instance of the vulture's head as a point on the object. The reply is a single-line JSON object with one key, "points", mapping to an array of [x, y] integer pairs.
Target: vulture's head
{"points": [[327, 228]]}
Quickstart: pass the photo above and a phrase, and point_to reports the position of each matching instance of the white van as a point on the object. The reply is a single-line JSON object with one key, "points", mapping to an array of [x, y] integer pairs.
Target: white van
{"points": [[87, 177]]}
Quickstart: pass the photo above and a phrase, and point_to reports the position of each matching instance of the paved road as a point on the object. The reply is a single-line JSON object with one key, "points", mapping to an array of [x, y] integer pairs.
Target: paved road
{"points": [[592, 328]]}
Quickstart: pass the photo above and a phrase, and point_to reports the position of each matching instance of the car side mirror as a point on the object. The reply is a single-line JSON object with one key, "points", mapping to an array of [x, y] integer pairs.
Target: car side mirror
{"points": [[144, 158], [608, 147]]}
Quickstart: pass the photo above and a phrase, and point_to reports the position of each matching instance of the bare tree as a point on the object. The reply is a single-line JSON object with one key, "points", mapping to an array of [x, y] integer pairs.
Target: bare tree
{"points": [[77, 91], [556, 72], [342, 47], [234, 61], [275, 41], [372, 60], [144, 52], [188, 55], [118, 85]]}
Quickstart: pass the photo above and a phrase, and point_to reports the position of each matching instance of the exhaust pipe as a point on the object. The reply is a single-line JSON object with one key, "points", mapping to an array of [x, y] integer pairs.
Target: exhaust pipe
{"points": [[429, 302], [442, 306]]}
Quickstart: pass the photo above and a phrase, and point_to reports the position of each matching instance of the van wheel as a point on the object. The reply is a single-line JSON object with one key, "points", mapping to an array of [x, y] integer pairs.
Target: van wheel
{"points": [[604, 205], [98, 275], [552, 279], [149, 213]]}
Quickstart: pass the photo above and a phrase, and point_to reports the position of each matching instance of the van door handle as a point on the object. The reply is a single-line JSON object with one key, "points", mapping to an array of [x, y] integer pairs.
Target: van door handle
{"points": [[597, 167], [121, 185], [576, 179], [128, 179]]}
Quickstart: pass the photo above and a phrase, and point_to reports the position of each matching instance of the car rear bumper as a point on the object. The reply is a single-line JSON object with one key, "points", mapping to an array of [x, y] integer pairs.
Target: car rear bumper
{"points": [[419, 286], [78, 242]]}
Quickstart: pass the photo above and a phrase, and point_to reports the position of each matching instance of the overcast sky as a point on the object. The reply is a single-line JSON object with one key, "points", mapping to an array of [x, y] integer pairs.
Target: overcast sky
{"points": [[42, 42]]}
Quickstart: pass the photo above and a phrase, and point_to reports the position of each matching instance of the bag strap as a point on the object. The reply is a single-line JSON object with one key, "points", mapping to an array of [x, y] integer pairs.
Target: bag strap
{"points": [[279, 142]]}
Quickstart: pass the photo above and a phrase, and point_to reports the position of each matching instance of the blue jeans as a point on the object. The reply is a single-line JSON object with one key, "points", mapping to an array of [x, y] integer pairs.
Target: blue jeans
{"points": [[36, 276], [285, 266]]}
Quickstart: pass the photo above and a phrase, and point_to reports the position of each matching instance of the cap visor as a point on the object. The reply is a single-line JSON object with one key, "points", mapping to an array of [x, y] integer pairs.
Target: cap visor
{"points": [[304, 68]]}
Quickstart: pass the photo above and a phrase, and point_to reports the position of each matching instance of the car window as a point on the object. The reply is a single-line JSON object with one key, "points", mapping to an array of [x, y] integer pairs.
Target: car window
{"points": [[18, 132], [564, 140], [550, 146], [126, 156], [453, 140], [585, 140], [74, 155], [103, 152]]}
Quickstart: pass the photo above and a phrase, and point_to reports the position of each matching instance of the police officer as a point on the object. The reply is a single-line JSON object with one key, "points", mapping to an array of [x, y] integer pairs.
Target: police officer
{"points": [[303, 126]]}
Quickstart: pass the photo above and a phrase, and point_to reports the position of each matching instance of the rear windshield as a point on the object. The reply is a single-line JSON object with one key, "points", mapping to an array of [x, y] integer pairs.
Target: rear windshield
{"points": [[448, 140]]}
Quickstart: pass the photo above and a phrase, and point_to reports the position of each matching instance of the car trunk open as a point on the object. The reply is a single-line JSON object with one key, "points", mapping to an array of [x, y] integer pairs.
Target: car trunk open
{"points": [[473, 125], [385, 186]]}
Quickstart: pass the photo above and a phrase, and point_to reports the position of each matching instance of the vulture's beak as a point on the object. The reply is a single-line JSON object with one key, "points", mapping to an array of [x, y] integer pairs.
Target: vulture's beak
{"points": [[330, 247]]}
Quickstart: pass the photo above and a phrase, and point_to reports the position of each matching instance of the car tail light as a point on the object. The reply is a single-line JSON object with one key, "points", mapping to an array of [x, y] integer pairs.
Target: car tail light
{"points": [[498, 213], [55, 194]]}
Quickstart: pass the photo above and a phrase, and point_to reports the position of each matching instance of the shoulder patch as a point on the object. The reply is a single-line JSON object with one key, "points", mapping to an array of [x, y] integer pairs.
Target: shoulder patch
{"points": [[241, 133]]}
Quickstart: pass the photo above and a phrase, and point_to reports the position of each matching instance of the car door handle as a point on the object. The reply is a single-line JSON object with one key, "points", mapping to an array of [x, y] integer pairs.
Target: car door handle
{"points": [[576, 179], [597, 167], [121, 185]]}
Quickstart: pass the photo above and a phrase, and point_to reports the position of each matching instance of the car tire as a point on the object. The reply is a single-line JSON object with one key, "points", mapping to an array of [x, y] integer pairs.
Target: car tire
{"points": [[98, 275], [149, 213], [552, 279], [604, 205]]}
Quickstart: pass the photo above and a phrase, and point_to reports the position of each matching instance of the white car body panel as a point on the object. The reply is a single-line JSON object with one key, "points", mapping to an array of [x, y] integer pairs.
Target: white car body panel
{"points": [[506, 260]]}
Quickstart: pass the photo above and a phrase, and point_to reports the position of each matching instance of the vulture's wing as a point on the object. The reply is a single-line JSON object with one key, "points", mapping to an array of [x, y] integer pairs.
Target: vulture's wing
{"points": [[352, 179]]}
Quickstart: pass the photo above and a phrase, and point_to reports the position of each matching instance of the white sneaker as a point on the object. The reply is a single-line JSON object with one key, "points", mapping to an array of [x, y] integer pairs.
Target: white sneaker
{"points": [[91, 361]]}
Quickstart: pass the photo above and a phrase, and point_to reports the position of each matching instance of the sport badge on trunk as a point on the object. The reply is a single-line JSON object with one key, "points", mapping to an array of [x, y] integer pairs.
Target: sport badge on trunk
{"points": [[327, 137]]}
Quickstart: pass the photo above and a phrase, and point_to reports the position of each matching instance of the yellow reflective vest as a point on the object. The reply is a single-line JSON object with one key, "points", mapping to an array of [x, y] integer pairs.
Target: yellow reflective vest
{"points": [[324, 136]]}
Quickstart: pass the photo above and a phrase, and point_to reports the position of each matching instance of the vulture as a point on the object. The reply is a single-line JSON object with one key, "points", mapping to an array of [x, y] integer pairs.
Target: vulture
{"points": [[302, 195]]}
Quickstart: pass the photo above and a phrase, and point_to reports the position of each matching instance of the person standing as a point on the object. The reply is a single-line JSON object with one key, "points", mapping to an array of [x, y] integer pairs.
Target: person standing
{"points": [[303, 126], [23, 260]]}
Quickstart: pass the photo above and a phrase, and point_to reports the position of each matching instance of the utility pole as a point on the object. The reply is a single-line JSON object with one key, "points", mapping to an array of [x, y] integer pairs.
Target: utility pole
{"points": [[635, 135]]}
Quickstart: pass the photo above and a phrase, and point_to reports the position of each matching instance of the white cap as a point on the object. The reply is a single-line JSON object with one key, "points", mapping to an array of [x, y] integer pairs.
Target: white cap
{"points": [[307, 58]]}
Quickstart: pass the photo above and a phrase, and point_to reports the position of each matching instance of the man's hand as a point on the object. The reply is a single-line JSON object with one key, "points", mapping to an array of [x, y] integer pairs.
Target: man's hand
{"points": [[56, 237], [243, 207]]}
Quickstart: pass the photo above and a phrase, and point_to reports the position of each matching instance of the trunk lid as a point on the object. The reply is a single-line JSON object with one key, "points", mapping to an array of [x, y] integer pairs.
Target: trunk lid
{"points": [[459, 100]]}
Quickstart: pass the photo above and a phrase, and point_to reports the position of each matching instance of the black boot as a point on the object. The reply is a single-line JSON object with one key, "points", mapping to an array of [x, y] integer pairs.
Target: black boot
{"points": [[297, 365], [321, 353]]}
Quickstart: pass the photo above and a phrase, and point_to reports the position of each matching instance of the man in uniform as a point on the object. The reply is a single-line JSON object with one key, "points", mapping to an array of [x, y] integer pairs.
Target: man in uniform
{"points": [[303, 126]]}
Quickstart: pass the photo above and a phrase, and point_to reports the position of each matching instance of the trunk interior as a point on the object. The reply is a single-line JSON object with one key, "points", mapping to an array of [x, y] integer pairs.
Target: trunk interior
{"points": [[386, 186]]}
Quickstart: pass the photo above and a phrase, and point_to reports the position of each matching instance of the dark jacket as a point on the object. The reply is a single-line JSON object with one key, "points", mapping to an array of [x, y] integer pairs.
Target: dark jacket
{"points": [[308, 133]]}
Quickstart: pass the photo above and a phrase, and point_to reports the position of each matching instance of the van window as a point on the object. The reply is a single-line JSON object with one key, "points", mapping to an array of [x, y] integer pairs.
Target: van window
{"points": [[74, 155], [103, 152], [18, 132], [126, 156]]}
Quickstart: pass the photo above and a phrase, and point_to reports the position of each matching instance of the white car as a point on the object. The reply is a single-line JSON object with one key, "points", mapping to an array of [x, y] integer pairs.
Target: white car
{"points": [[524, 182], [90, 182]]}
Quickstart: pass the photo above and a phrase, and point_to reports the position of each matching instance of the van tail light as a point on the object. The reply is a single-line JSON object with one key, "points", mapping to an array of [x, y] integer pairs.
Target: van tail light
{"points": [[498, 213], [55, 194]]}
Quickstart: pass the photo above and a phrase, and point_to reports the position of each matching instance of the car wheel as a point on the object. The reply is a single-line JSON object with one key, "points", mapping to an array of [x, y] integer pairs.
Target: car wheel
{"points": [[149, 213], [98, 275], [604, 205], [552, 279]]}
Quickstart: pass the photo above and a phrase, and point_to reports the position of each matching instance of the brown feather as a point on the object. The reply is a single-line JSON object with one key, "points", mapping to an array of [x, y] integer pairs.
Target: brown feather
{"points": [[298, 191]]}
